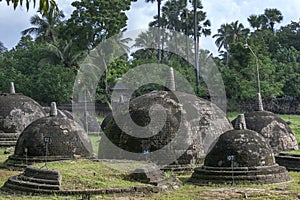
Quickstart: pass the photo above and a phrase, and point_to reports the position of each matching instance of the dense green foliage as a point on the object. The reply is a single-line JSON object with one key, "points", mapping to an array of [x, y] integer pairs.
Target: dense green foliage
{"points": [[45, 62], [274, 50], [45, 66]]}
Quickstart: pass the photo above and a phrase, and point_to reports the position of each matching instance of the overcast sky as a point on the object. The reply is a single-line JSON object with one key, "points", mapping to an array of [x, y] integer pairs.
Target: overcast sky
{"points": [[12, 22]]}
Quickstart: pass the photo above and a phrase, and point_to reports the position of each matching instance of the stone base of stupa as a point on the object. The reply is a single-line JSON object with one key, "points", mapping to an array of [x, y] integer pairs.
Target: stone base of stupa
{"points": [[239, 175], [8, 139], [19, 163]]}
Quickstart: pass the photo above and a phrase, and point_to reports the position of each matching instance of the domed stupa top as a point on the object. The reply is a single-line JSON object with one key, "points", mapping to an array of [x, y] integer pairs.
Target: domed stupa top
{"points": [[201, 121], [242, 155], [66, 139], [16, 112], [248, 147], [274, 129]]}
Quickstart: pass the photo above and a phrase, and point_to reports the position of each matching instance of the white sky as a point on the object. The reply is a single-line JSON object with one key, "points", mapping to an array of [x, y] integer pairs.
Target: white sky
{"points": [[12, 22]]}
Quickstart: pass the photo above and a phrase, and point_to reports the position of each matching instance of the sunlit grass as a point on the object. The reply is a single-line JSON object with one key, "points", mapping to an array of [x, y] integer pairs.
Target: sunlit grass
{"points": [[95, 142], [86, 174]]}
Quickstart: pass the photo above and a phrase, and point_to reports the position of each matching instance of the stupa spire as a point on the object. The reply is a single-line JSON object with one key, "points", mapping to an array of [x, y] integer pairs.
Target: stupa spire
{"points": [[53, 109], [240, 123], [258, 103], [170, 84], [12, 88]]}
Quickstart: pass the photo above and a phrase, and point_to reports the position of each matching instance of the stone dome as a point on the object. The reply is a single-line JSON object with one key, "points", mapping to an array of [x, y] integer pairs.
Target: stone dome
{"points": [[16, 112], [66, 140], [240, 156], [248, 147], [274, 129], [202, 122]]}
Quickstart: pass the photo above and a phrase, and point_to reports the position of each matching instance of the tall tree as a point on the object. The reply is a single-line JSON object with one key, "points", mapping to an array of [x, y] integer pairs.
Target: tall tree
{"points": [[94, 21], [229, 34], [266, 20], [158, 20], [176, 15], [223, 37], [289, 35], [273, 15], [45, 27], [62, 52]]}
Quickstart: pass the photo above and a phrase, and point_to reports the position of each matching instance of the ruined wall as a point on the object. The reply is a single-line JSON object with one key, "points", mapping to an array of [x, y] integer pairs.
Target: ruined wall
{"points": [[275, 105]]}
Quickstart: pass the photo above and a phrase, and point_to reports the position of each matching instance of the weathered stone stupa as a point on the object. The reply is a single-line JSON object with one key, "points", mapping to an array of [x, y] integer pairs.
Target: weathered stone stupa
{"points": [[51, 138], [240, 156], [16, 112], [200, 122], [275, 130]]}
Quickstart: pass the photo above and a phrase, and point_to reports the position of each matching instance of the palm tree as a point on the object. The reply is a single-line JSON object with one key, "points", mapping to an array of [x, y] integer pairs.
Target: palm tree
{"points": [[223, 36], [254, 21], [45, 6], [158, 20], [266, 20], [273, 15], [45, 26], [63, 52], [238, 31], [229, 34], [146, 40]]}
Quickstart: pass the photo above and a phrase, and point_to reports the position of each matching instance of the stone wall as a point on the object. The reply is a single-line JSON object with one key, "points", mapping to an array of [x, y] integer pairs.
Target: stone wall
{"points": [[275, 105], [290, 161], [100, 109]]}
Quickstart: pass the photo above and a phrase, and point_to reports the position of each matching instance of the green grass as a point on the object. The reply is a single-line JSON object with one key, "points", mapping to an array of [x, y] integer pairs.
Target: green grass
{"points": [[86, 174], [100, 119], [83, 174], [232, 115], [95, 142], [294, 124]]}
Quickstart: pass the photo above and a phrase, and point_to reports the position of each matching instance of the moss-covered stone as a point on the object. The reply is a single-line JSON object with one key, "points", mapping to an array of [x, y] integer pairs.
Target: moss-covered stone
{"points": [[201, 121], [248, 148], [275, 130], [18, 111], [67, 140]]}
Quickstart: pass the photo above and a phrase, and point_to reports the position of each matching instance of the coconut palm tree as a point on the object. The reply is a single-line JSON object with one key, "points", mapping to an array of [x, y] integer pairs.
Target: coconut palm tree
{"points": [[223, 36], [44, 27], [239, 32], [229, 34], [62, 52]]}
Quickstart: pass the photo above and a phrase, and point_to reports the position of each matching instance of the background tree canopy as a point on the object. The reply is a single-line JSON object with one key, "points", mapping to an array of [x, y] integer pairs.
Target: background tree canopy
{"points": [[45, 62]]}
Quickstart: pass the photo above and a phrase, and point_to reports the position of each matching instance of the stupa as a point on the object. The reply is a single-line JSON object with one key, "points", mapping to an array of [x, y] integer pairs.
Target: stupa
{"points": [[189, 121], [240, 156], [51, 138], [16, 112], [274, 129]]}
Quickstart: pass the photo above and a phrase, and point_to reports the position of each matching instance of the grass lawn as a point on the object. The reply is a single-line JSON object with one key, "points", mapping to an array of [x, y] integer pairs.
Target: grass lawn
{"points": [[95, 142], [83, 174], [87, 174]]}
